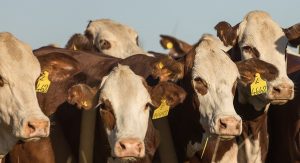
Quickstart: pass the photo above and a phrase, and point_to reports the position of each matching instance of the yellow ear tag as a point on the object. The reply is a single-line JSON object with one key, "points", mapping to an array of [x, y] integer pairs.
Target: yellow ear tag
{"points": [[43, 83], [160, 65], [169, 45], [259, 86], [84, 103], [162, 110]]}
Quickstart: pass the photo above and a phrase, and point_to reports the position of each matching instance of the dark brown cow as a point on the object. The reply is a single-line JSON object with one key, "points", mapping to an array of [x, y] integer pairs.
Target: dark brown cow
{"points": [[64, 65], [285, 134]]}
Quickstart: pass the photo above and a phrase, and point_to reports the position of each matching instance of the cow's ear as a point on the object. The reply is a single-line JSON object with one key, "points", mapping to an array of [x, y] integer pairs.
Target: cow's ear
{"points": [[172, 93], [176, 47], [227, 33], [79, 42], [59, 66], [293, 34], [248, 69], [83, 96], [168, 69]]}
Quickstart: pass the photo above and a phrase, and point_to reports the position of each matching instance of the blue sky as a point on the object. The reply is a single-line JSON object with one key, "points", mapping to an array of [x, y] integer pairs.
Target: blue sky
{"points": [[40, 22]]}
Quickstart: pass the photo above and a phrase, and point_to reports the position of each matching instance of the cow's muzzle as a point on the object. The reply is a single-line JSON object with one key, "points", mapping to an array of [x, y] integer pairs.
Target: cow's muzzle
{"points": [[281, 93]]}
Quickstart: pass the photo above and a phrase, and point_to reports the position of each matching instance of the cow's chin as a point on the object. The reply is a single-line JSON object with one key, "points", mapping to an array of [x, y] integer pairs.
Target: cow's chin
{"points": [[128, 159], [279, 101], [31, 139]]}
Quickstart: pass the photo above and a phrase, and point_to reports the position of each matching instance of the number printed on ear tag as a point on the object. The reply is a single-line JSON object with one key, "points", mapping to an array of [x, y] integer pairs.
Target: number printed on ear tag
{"points": [[162, 110], [259, 86], [43, 83]]}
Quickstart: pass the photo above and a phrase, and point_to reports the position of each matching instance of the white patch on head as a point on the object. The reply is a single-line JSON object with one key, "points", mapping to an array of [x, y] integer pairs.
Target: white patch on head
{"points": [[260, 31], [191, 149], [250, 151], [128, 97], [123, 39], [215, 67], [19, 69]]}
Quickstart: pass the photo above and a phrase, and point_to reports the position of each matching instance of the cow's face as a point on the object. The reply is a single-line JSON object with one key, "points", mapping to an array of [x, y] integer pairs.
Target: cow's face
{"points": [[112, 38], [214, 78], [258, 36], [125, 103], [21, 116]]}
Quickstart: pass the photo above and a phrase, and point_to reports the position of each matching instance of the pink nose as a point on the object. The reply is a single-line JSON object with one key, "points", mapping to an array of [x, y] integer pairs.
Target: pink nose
{"points": [[130, 148], [283, 91], [228, 125], [36, 128]]}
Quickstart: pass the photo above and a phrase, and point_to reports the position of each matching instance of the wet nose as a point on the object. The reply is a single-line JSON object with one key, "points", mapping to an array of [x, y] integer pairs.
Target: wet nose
{"points": [[37, 128], [283, 91], [129, 148], [228, 125]]}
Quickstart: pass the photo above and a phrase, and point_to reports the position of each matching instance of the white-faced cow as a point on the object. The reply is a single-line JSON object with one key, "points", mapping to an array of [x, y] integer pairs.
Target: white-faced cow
{"points": [[21, 117], [108, 37], [258, 36]]}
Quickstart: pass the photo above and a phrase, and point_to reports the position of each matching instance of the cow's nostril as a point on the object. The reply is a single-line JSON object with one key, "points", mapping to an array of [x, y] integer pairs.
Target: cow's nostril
{"points": [[31, 127], [223, 124], [276, 89], [122, 146]]}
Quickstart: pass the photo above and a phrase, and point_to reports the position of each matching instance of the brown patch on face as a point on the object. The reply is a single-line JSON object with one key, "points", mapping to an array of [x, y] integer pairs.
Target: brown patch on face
{"points": [[293, 34], [200, 86], [170, 91], [59, 66], [79, 42], [167, 69], [250, 67], [83, 96], [107, 115], [227, 33]]}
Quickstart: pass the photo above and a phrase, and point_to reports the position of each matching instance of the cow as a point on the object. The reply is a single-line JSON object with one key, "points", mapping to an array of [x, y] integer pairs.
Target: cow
{"points": [[108, 37], [258, 36], [284, 134], [21, 117], [209, 101], [125, 119]]}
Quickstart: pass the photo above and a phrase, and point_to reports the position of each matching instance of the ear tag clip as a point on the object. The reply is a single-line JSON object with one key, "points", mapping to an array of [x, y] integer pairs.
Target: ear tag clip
{"points": [[160, 65], [162, 110], [169, 45], [43, 83], [259, 86], [84, 103]]}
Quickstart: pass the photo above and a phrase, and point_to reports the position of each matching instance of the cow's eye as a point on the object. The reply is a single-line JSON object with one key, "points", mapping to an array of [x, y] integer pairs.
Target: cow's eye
{"points": [[148, 106], [1, 81], [104, 45], [137, 41], [200, 85], [251, 50]]}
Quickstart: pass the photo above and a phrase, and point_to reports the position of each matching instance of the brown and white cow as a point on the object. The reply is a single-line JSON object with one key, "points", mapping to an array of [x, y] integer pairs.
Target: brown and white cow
{"points": [[21, 117], [209, 100], [108, 37], [258, 36], [125, 110]]}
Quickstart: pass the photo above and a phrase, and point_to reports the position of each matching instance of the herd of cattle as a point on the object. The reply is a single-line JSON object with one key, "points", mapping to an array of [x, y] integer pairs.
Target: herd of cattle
{"points": [[227, 98]]}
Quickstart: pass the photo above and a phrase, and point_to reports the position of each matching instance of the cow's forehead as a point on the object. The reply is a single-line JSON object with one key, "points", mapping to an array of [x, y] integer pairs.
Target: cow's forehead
{"points": [[124, 88], [212, 64], [18, 57], [109, 28], [258, 28]]}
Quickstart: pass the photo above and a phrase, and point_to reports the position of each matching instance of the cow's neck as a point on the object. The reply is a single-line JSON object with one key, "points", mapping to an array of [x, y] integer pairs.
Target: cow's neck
{"points": [[253, 142], [7, 141]]}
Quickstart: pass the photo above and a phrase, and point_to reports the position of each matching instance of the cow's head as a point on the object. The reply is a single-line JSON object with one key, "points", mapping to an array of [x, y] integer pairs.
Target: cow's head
{"points": [[258, 36], [125, 102], [21, 117], [214, 77], [109, 37]]}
